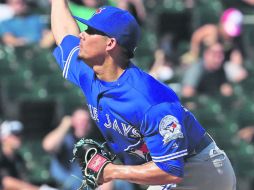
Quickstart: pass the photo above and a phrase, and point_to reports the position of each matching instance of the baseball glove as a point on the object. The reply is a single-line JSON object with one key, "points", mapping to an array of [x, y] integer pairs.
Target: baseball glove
{"points": [[92, 158]]}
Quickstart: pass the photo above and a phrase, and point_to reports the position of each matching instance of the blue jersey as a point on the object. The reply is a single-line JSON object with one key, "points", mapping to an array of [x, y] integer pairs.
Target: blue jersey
{"points": [[140, 118]]}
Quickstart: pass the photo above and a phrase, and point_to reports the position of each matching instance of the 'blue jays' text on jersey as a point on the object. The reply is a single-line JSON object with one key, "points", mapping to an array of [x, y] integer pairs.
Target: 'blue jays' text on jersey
{"points": [[140, 118]]}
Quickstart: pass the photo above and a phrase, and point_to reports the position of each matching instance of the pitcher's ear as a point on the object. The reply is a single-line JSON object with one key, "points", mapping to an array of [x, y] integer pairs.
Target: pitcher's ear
{"points": [[111, 43]]}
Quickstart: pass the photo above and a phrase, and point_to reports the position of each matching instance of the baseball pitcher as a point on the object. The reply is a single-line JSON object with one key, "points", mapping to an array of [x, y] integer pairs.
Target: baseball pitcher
{"points": [[156, 140]]}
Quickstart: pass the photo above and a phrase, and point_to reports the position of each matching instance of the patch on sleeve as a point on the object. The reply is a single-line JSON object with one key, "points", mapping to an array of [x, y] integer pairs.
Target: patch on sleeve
{"points": [[170, 129]]}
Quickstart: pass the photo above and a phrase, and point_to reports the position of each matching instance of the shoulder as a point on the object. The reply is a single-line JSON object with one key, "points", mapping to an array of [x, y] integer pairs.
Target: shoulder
{"points": [[68, 44], [70, 38], [150, 89]]}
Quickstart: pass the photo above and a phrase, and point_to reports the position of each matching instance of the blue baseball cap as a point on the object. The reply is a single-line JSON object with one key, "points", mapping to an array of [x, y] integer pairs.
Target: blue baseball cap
{"points": [[115, 23]]}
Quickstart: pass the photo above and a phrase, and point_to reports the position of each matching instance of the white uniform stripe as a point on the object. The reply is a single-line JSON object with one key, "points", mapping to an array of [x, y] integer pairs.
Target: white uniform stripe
{"points": [[129, 147], [67, 64], [61, 49], [171, 158], [167, 187], [169, 155], [63, 61]]}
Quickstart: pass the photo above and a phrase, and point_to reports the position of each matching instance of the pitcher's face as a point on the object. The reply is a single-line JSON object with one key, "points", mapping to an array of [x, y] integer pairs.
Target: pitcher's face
{"points": [[92, 46]]}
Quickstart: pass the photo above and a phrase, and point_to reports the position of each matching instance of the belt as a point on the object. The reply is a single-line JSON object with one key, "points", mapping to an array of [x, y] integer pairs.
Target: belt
{"points": [[205, 141]]}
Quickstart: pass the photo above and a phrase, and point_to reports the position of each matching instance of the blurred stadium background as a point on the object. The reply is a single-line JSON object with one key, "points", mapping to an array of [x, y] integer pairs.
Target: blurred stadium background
{"points": [[33, 90]]}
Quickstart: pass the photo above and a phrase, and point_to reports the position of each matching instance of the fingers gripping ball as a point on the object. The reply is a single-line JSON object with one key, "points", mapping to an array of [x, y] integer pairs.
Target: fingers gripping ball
{"points": [[92, 158]]}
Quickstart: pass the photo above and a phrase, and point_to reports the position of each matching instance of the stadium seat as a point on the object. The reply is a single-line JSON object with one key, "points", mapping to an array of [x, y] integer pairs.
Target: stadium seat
{"points": [[8, 62], [37, 160], [72, 99], [44, 63], [206, 11], [55, 84], [16, 87]]}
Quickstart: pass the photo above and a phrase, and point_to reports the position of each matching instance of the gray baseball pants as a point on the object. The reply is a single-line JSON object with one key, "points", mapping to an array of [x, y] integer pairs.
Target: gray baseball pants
{"points": [[209, 170]]}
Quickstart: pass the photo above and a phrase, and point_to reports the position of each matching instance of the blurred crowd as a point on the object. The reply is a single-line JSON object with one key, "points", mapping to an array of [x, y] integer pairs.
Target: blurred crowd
{"points": [[200, 48]]}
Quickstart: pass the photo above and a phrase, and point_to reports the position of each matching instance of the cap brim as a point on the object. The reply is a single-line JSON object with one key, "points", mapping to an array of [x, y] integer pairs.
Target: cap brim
{"points": [[84, 21]]}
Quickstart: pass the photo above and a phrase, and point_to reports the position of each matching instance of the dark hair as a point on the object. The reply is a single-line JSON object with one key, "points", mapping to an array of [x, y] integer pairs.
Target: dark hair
{"points": [[126, 53]]}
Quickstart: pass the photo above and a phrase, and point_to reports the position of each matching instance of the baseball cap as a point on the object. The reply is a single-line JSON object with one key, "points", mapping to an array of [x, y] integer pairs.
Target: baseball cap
{"points": [[115, 23], [10, 128], [231, 20]]}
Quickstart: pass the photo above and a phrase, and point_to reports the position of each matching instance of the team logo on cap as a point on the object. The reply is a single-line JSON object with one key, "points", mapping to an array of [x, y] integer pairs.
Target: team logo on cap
{"points": [[170, 129], [98, 11]]}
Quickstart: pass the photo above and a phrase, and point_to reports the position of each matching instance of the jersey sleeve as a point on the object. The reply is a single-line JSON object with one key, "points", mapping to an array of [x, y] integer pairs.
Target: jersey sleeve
{"points": [[165, 137], [66, 55]]}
